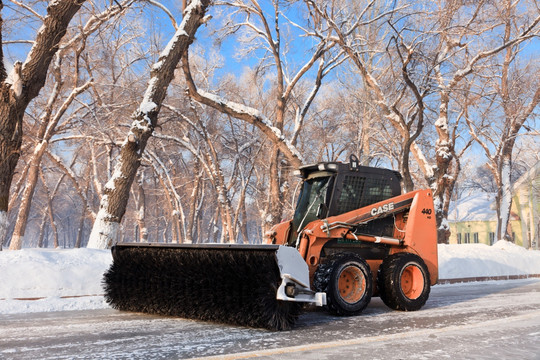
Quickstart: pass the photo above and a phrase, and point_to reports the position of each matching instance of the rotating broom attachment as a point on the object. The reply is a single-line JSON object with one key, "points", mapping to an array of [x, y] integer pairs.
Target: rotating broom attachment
{"points": [[233, 285]]}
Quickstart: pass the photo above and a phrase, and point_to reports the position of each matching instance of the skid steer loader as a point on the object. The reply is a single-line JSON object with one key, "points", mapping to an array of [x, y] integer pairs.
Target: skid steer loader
{"points": [[353, 236]]}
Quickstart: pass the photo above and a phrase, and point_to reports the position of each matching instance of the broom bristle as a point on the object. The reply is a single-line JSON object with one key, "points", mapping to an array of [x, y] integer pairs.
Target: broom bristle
{"points": [[227, 286]]}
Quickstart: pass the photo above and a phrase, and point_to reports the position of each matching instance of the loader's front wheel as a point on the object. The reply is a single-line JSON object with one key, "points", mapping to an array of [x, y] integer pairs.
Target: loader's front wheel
{"points": [[346, 280], [403, 282]]}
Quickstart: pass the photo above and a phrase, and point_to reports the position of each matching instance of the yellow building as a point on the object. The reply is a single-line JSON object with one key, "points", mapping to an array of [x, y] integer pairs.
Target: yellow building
{"points": [[473, 219], [526, 205]]}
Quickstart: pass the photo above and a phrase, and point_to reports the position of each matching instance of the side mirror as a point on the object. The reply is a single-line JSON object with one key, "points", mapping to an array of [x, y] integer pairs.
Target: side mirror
{"points": [[322, 211], [353, 162]]}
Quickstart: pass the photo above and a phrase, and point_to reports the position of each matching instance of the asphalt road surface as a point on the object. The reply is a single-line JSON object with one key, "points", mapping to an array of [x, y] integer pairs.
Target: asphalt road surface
{"points": [[484, 320]]}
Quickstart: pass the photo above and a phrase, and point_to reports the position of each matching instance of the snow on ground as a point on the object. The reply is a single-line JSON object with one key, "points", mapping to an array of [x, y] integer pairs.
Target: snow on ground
{"points": [[70, 279], [479, 260], [54, 276]]}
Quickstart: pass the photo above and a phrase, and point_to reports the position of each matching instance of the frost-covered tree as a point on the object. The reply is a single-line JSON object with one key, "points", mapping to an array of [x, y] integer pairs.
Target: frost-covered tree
{"points": [[21, 86], [52, 115], [513, 95], [266, 29], [145, 119], [436, 49]]}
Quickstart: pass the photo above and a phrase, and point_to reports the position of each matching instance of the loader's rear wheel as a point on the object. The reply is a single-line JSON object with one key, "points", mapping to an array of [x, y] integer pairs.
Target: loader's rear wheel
{"points": [[403, 281], [346, 280]]}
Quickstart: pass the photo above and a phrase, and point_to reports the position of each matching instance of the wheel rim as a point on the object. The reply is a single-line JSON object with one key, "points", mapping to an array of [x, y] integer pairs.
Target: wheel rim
{"points": [[351, 284], [412, 282]]}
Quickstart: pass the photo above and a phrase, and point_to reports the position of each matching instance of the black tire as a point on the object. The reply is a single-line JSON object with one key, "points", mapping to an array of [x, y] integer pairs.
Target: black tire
{"points": [[404, 282], [349, 273]]}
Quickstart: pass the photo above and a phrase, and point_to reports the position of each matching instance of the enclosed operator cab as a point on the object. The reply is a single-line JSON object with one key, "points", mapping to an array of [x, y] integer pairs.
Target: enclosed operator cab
{"points": [[334, 188]]}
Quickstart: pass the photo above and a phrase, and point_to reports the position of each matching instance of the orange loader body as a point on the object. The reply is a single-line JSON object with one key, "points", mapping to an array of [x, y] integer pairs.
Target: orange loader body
{"points": [[361, 237], [414, 232]]}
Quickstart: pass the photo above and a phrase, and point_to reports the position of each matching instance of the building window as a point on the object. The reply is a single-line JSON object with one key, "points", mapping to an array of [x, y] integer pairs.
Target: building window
{"points": [[491, 238], [459, 238], [467, 238], [475, 238]]}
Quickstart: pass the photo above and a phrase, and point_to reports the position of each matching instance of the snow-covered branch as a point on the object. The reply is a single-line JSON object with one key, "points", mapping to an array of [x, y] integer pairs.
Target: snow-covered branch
{"points": [[243, 112], [34, 69], [166, 11], [523, 36], [28, 8], [64, 107]]}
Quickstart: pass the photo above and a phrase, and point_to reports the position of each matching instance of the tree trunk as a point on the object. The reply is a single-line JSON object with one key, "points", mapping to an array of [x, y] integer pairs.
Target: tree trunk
{"points": [[241, 213], [213, 230], [442, 183], [11, 135], [42, 230], [80, 229], [198, 232], [53, 228], [140, 200], [3, 227], [227, 226], [408, 183], [504, 196], [193, 203], [116, 192], [243, 223], [172, 210], [218, 180], [275, 205], [26, 199]]}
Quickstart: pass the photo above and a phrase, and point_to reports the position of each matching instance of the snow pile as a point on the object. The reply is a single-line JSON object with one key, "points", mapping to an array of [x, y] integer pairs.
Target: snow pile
{"points": [[71, 279], [55, 278], [480, 260]]}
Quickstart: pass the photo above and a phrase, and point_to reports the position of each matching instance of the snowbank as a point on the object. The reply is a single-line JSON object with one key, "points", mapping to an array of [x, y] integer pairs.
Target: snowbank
{"points": [[35, 280], [70, 279], [480, 260]]}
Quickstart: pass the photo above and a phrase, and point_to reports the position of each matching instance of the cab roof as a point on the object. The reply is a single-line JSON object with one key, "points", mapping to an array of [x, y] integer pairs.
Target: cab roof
{"points": [[340, 167]]}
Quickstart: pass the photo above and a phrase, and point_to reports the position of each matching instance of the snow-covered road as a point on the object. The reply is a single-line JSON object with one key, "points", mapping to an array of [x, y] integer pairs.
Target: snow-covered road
{"points": [[482, 320]]}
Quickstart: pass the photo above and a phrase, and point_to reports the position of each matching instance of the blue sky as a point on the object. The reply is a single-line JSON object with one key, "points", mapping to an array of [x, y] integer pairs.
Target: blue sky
{"points": [[159, 22]]}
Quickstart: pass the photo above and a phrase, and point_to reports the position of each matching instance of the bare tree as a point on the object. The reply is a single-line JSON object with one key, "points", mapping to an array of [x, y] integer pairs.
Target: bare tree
{"points": [[116, 192], [207, 156], [515, 91], [264, 32], [47, 130], [22, 87], [52, 114], [456, 32]]}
